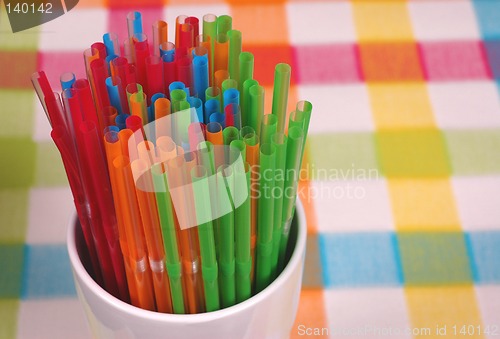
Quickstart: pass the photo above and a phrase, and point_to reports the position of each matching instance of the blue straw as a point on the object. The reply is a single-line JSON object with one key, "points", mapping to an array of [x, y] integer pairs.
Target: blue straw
{"points": [[211, 106], [67, 80], [218, 117], [200, 75], [231, 96], [114, 95], [120, 121], [197, 104], [178, 85]]}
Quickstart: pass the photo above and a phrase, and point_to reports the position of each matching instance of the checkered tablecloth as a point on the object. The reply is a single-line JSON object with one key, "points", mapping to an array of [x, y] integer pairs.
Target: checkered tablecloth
{"points": [[403, 186]]}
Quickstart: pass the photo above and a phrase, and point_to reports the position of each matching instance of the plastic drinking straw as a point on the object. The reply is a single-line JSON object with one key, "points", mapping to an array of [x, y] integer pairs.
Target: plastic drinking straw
{"points": [[245, 101], [128, 52], [294, 149], [203, 209], [135, 233], [178, 179], [43, 89], [246, 62], [224, 24], [186, 36], [219, 118], [197, 104], [146, 152], [166, 148], [134, 23], [200, 75], [282, 73], [138, 106], [132, 89], [169, 236], [230, 95], [113, 150], [195, 23], [242, 234], [181, 52], [306, 108], [162, 124], [124, 136], [176, 97], [116, 93], [169, 71], [178, 85], [160, 35], [111, 42], [233, 115], [211, 106], [268, 128], [151, 108], [185, 71], [267, 172], [230, 134], [215, 136], [169, 49], [203, 40], [181, 19], [96, 181], [109, 115], [196, 132], [210, 30], [152, 231], [279, 141], [237, 148], [219, 77], [212, 93], [234, 50], [256, 107], [141, 52], [154, 74], [296, 118], [101, 49], [84, 95], [99, 74], [120, 121], [221, 53], [60, 138], [89, 55], [225, 183], [67, 79], [251, 140], [229, 84], [119, 68]]}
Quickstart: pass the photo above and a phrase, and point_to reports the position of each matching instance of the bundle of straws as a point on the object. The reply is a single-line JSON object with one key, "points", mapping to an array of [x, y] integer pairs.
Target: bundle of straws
{"points": [[185, 191]]}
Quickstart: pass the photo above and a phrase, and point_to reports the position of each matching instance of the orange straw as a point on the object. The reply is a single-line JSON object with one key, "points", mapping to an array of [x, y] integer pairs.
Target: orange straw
{"points": [[135, 233], [177, 178], [221, 52], [216, 137], [152, 231]]}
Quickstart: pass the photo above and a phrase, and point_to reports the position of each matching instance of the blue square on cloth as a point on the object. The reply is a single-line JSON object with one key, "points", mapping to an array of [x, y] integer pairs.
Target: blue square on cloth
{"points": [[488, 18], [47, 272], [484, 250], [359, 259]]}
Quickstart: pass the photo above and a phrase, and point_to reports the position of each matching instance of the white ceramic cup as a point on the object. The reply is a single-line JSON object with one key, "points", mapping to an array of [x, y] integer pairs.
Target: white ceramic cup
{"points": [[269, 314]]}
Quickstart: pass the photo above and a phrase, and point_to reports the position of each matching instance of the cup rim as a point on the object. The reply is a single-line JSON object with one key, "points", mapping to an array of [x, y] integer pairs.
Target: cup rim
{"points": [[81, 272]]}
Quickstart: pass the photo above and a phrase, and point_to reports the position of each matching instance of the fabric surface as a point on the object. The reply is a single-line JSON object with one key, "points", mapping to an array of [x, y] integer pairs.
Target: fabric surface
{"points": [[402, 180]]}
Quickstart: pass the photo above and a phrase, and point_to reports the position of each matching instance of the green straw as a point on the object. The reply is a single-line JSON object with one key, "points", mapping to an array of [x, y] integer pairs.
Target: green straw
{"points": [[224, 24], [294, 149], [229, 135], [212, 93], [225, 180], [265, 219], [256, 107], [229, 83], [173, 260], [242, 235], [245, 101], [176, 97], [209, 268], [246, 68], [297, 119], [234, 50], [268, 128], [280, 93], [210, 29], [237, 148], [279, 140], [305, 108], [139, 95]]}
